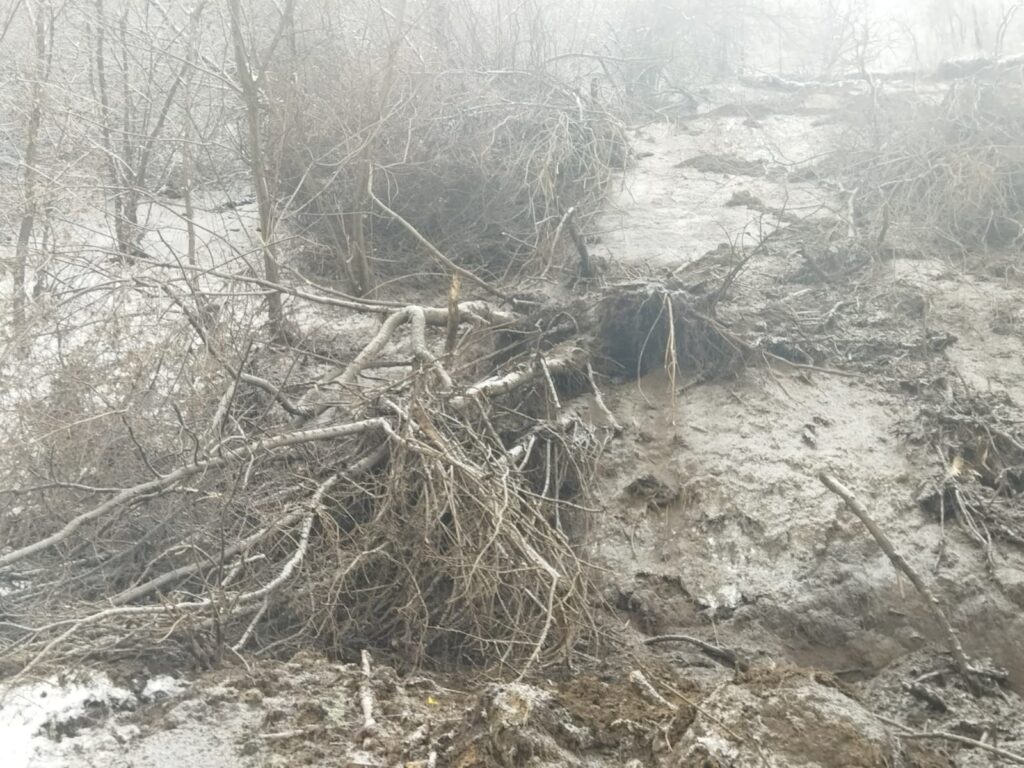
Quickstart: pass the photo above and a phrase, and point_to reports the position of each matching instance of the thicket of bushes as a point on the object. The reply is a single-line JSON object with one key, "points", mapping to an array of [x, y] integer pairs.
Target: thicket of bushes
{"points": [[945, 164]]}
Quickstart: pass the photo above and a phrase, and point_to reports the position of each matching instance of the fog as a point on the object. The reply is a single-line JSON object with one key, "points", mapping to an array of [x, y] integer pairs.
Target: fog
{"points": [[511, 383]]}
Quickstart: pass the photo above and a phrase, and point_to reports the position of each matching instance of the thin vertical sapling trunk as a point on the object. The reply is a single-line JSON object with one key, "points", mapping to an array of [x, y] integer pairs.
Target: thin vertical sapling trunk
{"points": [[360, 250], [129, 162], [257, 157], [30, 179]]}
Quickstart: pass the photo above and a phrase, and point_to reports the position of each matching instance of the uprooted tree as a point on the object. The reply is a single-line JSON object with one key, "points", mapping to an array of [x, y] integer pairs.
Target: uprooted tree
{"points": [[237, 484], [412, 499]]}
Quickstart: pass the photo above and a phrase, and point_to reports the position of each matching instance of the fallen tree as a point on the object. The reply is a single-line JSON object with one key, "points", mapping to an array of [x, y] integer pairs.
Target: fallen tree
{"points": [[420, 497]]}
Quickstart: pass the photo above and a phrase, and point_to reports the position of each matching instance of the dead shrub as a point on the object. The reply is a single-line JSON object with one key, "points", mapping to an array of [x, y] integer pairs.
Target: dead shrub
{"points": [[484, 166], [430, 517], [429, 507], [948, 167]]}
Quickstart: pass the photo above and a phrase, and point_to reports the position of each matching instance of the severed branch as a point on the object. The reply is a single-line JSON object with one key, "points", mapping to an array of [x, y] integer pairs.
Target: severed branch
{"points": [[909, 733], [240, 644], [223, 407], [586, 263], [160, 484], [470, 311], [238, 601], [717, 653], [567, 359], [315, 506], [346, 376], [366, 698], [451, 336], [148, 587], [963, 664], [420, 350]]}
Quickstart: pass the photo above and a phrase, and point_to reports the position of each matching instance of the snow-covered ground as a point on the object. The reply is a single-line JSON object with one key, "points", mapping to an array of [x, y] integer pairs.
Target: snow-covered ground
{"points": [[34, 716]]}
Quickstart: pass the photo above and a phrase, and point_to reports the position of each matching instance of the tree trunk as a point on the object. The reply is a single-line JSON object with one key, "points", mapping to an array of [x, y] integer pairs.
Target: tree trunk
{"points": [[30, 179], [359, 259], [257, 167]]}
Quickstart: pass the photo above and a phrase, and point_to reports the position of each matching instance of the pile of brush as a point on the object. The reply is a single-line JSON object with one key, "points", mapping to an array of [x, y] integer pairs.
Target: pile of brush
{"points": [[947, 167], [425, 497]]}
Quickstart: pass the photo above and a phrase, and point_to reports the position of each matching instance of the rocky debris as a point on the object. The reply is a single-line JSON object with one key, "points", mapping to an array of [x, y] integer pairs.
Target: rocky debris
{"points": [[584, 721], [652, 490], [518, 725]]}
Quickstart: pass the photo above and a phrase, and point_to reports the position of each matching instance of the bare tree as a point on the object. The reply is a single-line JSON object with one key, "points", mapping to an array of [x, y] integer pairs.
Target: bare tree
{"points": [[43, 19], [131, 145], [250, 76], [1006, 18]]}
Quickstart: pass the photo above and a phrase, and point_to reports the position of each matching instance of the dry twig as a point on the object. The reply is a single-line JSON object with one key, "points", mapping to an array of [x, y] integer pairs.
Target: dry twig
{"points": [[969, 673]]}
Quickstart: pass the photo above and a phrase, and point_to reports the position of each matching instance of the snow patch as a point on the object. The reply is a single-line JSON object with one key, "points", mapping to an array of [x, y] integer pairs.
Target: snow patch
{"points": [[27, 712], [161, 686]]}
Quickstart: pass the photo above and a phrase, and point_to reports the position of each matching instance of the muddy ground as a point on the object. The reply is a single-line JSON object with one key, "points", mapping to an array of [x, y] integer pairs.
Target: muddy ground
{"points": [[708, 520]]}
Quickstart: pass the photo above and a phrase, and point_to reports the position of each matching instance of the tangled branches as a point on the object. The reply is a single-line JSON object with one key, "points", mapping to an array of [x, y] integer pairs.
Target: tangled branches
{"points": [[946, 165], [427, 505], [466, 557], [485, 166], [424, 512], [981, 445]]}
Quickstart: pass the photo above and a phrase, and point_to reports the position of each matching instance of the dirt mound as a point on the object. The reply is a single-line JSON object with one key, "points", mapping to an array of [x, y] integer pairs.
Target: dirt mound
{"points": [[788, 719], [725, 164]]}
